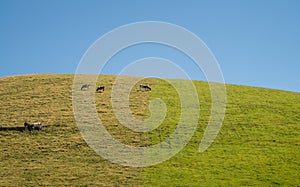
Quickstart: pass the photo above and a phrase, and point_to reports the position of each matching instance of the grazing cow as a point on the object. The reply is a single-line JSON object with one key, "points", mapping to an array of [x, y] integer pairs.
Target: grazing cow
{"points": [[85, 86], [34, 126], [145, 87], [37, 126], [100, 88]]}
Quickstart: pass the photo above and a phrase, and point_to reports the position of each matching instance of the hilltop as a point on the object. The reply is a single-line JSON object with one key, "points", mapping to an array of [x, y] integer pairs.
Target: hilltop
{"points": [[257, 145]]}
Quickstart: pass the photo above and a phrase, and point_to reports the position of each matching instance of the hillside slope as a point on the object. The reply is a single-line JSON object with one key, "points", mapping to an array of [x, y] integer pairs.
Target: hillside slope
{"points": [[257, 145]]}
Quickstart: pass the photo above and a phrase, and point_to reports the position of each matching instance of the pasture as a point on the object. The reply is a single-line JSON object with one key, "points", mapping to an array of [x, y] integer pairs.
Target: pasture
{"points": [[258, 145]]}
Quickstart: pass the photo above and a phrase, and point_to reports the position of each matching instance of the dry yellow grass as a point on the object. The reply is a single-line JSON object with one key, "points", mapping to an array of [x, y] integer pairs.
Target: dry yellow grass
{"points": [[58, 155]]}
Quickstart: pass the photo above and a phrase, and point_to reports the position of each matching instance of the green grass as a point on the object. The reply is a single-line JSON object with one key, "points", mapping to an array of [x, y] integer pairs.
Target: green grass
{"points": [[258, 144]]}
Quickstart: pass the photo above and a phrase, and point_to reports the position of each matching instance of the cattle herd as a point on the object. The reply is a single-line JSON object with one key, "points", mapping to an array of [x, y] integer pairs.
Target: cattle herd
{"points": [[101, 88], [38, 125]]}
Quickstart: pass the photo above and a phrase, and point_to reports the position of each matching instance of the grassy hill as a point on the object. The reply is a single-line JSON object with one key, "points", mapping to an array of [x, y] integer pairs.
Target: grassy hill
{"points": [[258, 145]]}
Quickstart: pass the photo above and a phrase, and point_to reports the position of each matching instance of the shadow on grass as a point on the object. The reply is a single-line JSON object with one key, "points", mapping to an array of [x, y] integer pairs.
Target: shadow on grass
{"points": [[20, 129]]}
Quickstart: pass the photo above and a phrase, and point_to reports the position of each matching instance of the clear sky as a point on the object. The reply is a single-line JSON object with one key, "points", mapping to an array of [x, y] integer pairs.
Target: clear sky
{"points": [[255, 42]]}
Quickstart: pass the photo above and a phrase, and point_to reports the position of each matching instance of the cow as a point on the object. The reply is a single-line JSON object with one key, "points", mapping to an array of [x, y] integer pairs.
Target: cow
{"points": [[33, 126], [100, 88], [145, 87], [85, 86]]}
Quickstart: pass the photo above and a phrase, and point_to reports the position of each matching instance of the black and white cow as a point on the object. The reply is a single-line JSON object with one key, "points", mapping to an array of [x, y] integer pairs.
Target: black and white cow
{"points": [[85, 86], [33, 126], [145, 87], [100, 88]]}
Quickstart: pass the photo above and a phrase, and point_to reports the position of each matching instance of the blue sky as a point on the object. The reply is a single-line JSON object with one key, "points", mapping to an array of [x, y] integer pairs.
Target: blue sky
{"points": [[255, 42]]}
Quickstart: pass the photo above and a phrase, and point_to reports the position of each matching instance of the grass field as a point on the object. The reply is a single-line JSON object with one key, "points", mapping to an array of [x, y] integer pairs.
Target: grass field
{"points": [[258, 145]]}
